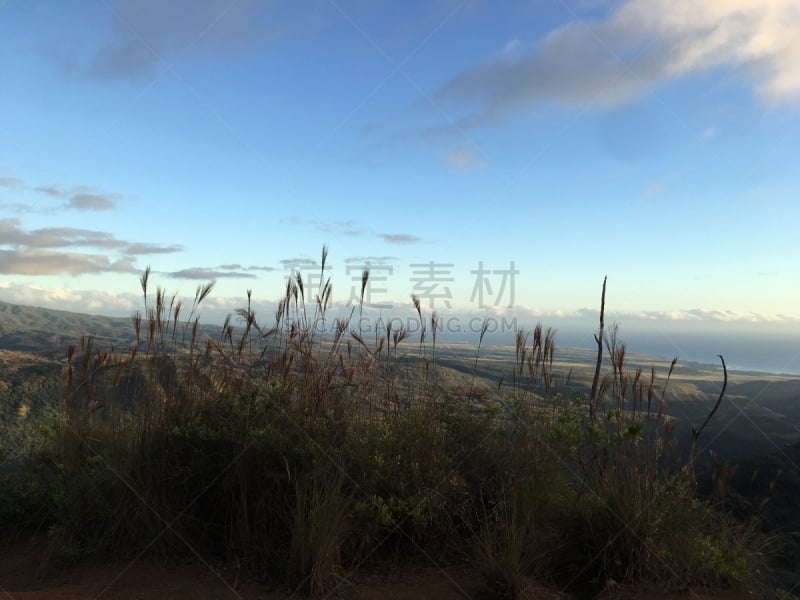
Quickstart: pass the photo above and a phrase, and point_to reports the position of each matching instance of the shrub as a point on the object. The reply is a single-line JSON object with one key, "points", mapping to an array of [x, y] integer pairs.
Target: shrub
{"points": [[303, 456]]}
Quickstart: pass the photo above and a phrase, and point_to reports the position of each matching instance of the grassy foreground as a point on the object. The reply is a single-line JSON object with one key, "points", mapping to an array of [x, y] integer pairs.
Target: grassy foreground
{"points": [[304, 455]]}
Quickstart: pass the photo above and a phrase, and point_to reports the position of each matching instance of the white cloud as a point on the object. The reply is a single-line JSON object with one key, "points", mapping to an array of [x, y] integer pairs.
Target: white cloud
{"points": [[686, 316], [105, 302], [100, 301], [760, 35], [215, 308], [700, 315], [642, 44]]}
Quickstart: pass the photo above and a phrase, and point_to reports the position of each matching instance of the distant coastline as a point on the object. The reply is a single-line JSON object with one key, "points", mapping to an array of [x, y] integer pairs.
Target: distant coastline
{"points": [[751, 349]]}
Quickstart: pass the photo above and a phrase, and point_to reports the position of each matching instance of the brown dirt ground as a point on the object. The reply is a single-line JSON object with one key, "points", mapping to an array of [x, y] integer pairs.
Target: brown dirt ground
{"points": [[27, 573]]}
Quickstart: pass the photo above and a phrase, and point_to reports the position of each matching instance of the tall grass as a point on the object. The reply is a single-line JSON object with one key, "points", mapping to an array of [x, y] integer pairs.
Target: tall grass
{"points": [[304, 453]]}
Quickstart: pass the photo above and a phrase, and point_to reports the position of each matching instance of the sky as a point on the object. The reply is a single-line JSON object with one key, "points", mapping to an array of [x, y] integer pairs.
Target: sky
{"points": [[491, 158]]}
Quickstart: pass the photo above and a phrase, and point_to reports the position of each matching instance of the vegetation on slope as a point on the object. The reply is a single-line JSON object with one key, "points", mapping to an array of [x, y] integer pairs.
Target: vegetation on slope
{"points": [[305, 456]]}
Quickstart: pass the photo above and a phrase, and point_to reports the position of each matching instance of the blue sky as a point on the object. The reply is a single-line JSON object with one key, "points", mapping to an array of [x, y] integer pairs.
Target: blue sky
{"points": [[654, 141]]}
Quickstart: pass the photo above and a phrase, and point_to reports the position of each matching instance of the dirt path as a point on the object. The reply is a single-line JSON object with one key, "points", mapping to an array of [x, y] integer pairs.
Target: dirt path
{"points": [[25, 574]]}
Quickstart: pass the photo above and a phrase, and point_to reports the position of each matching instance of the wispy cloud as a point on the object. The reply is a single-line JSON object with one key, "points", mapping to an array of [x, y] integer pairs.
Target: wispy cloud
{"points": [[80, 197], [400, 238], [62, 237], [51, 190], [10, 182], [59, 237], [203, 273], [226, 271], [138, 248], [86, 201], [41, 251], [352, 228], [147, 34], [640, 45], [298, 263], [47, 262], [372, 260]]}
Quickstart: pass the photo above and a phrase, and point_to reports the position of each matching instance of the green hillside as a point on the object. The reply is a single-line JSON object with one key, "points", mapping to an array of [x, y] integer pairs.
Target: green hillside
{"points": [[761, 411]]}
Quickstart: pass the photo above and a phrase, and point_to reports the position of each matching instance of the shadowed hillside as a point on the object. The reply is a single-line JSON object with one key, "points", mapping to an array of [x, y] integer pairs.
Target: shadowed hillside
{"points": [[48, 332]]}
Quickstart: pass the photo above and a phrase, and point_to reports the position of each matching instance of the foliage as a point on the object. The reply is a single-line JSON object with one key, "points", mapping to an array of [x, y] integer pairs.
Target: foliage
{"points": [[303, 456]]}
